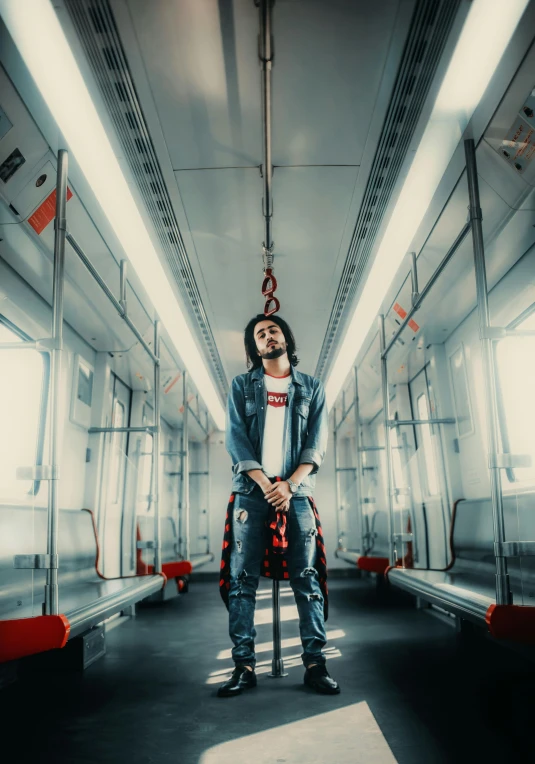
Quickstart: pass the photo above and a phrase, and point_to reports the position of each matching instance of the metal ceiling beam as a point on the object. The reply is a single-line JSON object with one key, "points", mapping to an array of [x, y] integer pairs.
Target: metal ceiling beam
{"points": [[266, 60]]}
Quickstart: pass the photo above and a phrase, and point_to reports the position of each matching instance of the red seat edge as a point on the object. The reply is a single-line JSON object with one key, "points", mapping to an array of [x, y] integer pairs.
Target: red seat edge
{"points": [[27, 636], [514, 622], [373, 564]]}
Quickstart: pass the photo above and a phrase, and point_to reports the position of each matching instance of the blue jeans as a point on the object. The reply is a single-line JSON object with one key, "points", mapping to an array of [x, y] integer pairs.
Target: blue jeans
{"points": [[248, 528]]}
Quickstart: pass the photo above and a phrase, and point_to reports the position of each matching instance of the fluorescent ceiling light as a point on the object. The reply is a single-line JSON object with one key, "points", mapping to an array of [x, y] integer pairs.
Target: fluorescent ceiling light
{"points": [[484, 37], [43, 46]]}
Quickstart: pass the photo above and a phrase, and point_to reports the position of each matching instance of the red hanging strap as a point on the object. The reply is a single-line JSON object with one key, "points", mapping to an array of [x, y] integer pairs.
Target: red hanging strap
{"points": [[269, 285]]}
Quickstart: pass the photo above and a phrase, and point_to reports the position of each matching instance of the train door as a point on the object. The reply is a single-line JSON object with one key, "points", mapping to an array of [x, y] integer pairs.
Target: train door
{"points": [[111, 517], [373, 487], [430, 494]]}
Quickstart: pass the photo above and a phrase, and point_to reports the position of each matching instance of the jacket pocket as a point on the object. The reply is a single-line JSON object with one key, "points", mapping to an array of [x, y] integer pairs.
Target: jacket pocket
{"points": [[250, 406]]}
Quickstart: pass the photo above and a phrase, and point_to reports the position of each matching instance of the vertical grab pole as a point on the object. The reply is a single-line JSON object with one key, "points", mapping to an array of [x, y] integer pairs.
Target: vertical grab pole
{"points": [[208, 483], [339, 532], [392, 551], [156, 453], [60, 230], [277, 664], [185, 466], [360, 519], [503, 591]]}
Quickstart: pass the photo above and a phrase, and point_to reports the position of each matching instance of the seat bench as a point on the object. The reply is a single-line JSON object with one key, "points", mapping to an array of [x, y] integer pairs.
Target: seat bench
{"points": [[366, 563], [467, 587], [175, 570], [86, 598]]}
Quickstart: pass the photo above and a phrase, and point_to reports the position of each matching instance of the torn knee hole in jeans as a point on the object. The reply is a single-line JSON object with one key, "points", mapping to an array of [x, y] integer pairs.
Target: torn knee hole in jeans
{"points": [[308, 572], [239, 545], [242, 515], [312, 597], [241, 578], [311, 534]]}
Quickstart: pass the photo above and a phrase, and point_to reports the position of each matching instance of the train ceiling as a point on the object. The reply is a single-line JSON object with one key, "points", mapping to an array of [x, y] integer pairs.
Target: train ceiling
{"points": [[190, 72]]}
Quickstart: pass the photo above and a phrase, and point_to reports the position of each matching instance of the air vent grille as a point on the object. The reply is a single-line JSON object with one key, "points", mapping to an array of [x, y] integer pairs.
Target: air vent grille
{"points": [[96, 28], [430, 26]]}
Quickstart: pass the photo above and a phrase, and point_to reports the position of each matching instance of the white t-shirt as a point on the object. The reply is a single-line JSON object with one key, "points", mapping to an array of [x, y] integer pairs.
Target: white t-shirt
{"points": [[277, 396]]}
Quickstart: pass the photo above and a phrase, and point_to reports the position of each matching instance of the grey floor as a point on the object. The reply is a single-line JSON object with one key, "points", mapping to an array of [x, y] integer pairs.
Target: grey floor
{"points": [[412, 693]]}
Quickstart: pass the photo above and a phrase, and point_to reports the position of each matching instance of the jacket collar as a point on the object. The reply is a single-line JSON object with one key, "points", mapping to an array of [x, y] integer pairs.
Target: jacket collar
{"points": [[297, 377]]}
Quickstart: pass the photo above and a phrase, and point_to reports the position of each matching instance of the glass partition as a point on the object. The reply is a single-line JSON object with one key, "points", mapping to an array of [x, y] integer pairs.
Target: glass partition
{"points": [[23, 498], [515, 365]]}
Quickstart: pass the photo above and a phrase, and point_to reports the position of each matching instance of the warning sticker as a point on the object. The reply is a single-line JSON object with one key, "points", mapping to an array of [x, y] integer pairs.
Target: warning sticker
{"points": [[413, 325], [46, 212], [399, 310], [518, 148]]}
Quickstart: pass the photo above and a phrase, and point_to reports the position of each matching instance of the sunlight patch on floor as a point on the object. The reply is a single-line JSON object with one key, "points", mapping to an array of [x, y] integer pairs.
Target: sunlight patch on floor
{"points": [[265, 647], [348, 735], [265, 615]]}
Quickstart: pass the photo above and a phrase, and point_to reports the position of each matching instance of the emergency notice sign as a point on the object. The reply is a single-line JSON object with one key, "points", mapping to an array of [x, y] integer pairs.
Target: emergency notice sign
{"points": [[46, 212], [518, 148]]}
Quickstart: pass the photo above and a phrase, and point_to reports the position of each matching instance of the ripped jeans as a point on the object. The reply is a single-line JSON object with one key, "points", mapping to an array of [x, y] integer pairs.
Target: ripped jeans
{"points": [[250, 513]]}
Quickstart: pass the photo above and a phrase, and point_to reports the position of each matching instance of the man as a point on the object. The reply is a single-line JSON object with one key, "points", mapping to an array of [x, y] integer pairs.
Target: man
{"points": [[276, 428]]}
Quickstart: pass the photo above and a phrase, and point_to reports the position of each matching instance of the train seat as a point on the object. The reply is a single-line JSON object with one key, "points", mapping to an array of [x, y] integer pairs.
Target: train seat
{"points": [[468, 586], [172, 566], [174, 569], [86, 598]]}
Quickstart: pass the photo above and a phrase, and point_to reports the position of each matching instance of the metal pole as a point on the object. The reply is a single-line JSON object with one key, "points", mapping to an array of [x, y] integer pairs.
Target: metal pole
{"points": [[503, 591], [156, 454], [414, 280], [337, 481], [384, 384], [360, 519], [60, 227], [208, 483], [277, 664], [185, 467], [266, 58]]}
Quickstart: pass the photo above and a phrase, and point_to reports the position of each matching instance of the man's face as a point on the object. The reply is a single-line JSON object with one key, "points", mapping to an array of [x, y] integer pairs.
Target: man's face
{"points": [[269, 339]]}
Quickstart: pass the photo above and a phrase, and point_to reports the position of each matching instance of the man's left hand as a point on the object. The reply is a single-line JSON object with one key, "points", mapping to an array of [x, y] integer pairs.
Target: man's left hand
{"points": [[279, 495]]}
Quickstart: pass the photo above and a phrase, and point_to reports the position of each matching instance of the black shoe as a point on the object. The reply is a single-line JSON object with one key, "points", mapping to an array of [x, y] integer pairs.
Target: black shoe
{"points": [[241, 679], [318, 678]]}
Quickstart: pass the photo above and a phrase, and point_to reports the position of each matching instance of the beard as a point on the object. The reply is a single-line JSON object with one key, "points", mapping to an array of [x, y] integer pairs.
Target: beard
{"points": [[275, 352]]}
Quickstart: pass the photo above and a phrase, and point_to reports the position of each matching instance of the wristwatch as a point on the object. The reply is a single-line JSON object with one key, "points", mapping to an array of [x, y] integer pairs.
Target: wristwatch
{"points": [[293, 486]]}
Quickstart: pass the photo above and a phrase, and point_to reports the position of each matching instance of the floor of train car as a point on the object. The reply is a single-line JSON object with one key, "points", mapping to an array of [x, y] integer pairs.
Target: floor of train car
{"points": [[410, 692]]}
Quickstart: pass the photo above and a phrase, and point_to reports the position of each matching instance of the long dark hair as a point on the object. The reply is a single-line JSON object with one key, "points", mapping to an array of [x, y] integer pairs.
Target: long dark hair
{"points": [[254, 361]]}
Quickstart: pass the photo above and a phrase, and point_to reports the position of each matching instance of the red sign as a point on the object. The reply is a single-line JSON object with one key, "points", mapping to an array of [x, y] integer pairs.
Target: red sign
{"points": [[277, 399], [46, 212], [399, 310], [413, 325]]}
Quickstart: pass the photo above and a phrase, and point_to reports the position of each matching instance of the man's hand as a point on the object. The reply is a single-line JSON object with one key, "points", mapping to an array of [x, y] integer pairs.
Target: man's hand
{"points": [[279, 496]]}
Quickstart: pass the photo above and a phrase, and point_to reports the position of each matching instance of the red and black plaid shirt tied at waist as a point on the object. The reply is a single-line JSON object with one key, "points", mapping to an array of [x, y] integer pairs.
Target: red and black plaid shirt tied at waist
{"points": [[274, 564]]}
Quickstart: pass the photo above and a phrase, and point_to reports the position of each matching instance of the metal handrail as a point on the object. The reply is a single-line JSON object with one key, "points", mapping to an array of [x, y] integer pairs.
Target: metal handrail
{"points": [[120, 308], [421, 297]]}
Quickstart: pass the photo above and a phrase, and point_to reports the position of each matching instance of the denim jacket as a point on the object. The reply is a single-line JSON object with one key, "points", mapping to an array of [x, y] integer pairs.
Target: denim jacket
{"points": [[305, 430]]}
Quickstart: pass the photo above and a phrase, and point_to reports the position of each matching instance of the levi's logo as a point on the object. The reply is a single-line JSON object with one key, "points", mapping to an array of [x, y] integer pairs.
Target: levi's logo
{"points": [[277, 399]]}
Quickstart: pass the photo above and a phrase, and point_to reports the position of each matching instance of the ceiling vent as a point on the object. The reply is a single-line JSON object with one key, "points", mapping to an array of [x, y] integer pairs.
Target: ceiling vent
{"points": [[430, 27], [95, 25]]}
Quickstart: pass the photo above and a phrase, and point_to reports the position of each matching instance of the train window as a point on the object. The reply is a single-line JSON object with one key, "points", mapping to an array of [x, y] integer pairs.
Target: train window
{"points": [[399, 482], [23, 400], [461, 395], [515, 360], [117, 454], [427, 447]]}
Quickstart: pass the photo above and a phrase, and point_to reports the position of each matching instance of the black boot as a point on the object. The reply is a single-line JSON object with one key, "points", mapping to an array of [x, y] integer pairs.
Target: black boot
{"points": [[318, 678], [241, 679]]}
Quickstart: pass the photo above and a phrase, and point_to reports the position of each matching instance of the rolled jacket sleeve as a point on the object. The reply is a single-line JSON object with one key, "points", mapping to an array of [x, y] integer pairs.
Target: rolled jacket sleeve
{"points": [[237, 441], [315, 446]]}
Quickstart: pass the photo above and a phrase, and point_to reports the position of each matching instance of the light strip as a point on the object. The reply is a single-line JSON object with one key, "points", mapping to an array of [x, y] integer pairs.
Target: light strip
{"points": [[43, 46], [483, 40]]}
